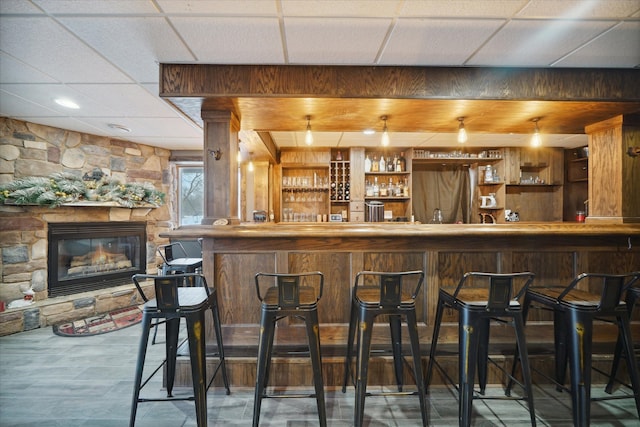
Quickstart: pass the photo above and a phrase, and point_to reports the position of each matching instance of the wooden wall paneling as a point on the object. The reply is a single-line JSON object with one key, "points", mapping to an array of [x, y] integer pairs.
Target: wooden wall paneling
{"points": [[535, 203], [335, 303], [309, 156], [432, 286], [235, 285], [512, 165], [357, 174], [631, 172], [550, 268], [605, 186], [453, 265]]}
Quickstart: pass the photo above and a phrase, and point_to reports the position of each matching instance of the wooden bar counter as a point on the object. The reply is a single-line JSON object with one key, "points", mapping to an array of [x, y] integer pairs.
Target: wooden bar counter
{"points": [[555, 252]]}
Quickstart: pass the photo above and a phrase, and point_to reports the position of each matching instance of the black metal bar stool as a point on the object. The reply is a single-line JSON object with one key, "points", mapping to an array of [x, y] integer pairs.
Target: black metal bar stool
{"points": [[176, 260], [632, 295], [480, 298], [283, 295], [171, 303], [383, 293], [588, 296]]}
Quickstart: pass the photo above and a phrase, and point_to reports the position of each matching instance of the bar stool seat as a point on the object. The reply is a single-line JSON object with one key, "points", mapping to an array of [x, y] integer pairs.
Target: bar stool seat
{"points": [[375, 294], [480, 298], [289, 295], [574, 312], [171, 303]]}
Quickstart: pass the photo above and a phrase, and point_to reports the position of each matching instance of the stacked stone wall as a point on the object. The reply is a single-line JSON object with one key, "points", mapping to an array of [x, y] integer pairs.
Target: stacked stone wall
{"points": [[28, 149]]}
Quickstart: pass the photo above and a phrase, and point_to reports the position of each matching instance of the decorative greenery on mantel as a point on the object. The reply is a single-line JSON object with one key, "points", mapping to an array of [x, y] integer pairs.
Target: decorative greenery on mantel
{"points": [[65, 188]]}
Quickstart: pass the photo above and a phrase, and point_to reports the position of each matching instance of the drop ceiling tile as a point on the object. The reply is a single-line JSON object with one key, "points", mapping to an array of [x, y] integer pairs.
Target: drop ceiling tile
{"points": [[67, 123], [13, 71], [45, 95], [46, 45], [462, 8], [18, 6], [341, 8], [134, 45], [536, 43], [127, 99], [619, 47], [12, 105], [334, 41], [96, 7], [572, 9], [232, 41], [220, 7], [436, 42], [147, 126]]}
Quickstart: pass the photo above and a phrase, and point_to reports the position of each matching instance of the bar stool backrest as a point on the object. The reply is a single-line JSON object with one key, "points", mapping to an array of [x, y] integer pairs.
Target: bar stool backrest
{"points": [[501, 287], [394, 287], [172, 251], [166, 288], [289, 285], [611, 287]]}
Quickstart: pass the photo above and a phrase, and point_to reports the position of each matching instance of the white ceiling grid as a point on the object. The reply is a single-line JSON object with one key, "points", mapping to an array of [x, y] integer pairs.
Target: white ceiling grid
{"points": [[105, 54]]}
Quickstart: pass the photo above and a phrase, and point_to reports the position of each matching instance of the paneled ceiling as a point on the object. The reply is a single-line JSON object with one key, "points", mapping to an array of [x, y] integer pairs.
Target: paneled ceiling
{"points": [[105, 55]]}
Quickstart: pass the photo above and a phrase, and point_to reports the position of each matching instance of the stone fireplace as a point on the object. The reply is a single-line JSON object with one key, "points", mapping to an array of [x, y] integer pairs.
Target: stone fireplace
{"points": [[95, 255]]}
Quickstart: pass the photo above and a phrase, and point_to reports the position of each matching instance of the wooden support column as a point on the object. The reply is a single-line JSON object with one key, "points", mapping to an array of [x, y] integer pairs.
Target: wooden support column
{"points": [[220, 166], [614, 173]]}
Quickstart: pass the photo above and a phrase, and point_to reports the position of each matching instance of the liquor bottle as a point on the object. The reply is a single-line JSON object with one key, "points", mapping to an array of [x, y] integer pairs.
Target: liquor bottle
{"points": [[367, 164], [391, 166], [396, 163], [375, 165], [403, 163], [383, 165], [376, 188], [405, 189]]}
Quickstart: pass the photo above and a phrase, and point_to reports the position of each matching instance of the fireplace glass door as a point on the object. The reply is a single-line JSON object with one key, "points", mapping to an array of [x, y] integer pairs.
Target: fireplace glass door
{"points": [[89, 256]]}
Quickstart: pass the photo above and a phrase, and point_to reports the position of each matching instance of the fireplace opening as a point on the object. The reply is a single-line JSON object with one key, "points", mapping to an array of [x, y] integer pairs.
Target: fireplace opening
{"points": [[94, 255]]}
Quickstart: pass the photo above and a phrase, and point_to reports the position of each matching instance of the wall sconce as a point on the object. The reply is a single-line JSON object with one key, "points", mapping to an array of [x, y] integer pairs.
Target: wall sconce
{"points": [[217, 154], [536, 140], [308, 136], [385, 141], [250, 166], [462, 133]]}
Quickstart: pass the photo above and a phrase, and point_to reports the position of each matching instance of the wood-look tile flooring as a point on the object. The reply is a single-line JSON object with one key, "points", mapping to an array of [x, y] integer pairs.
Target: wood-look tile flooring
{"points": [[47, 380]]}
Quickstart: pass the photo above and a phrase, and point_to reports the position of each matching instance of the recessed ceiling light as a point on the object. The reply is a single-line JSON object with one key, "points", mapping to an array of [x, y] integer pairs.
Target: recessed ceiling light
{"points": [[369, 131], [121, 128], [67, 103]]}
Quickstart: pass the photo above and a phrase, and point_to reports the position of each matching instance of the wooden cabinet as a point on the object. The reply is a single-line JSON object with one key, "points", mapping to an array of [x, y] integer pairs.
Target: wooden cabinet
{"points": [[534, 183], [576, 186], [304, 189], [391, 186], [340, 184]]}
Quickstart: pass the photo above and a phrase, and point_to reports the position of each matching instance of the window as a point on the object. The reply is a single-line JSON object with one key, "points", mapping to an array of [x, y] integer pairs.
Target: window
{"points": [[190, 194]]}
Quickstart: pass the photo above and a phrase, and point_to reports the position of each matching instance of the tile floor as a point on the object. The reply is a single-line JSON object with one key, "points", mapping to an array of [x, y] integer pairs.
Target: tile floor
{"points": [[47, 380]]}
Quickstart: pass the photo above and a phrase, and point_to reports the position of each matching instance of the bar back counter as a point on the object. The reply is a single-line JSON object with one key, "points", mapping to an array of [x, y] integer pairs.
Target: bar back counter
{"points": [[555, 252]]}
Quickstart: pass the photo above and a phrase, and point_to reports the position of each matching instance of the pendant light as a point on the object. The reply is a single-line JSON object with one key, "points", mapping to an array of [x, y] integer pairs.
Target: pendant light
{"points": [[385, 133], [308, 136], [462, 133], [536, 141]]}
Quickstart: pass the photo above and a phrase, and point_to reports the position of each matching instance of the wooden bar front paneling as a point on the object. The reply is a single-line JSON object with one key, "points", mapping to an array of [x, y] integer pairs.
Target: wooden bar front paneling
{"points": [[233, 254], [554, 252]]}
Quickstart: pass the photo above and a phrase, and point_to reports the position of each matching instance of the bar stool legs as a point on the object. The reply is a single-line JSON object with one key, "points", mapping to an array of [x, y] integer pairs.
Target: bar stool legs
{"points": [[196, 339], [265, 347]]}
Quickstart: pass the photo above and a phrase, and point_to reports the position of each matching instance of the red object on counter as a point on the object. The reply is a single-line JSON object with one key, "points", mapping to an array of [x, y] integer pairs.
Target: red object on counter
{"points": [[580, 216]]}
